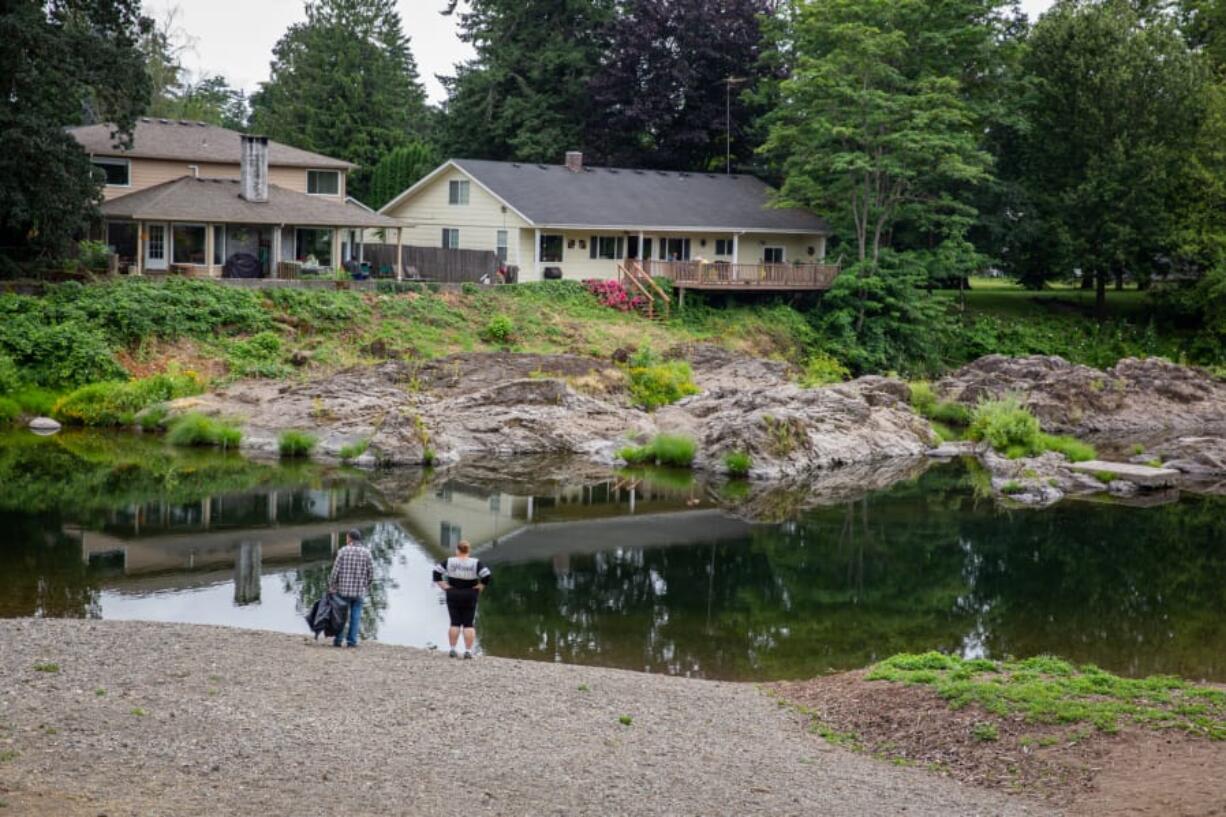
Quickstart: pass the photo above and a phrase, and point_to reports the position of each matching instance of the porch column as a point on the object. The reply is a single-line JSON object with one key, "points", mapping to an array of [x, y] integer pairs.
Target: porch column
{"points": [[536, 253], [361, 245], [736, 255], [399, 253], [276, 251], [140, 248], [208, 250], [337, 261], [642, 257]]}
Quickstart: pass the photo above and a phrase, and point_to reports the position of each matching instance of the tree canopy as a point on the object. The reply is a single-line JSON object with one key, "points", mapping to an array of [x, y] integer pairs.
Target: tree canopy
{"points": [[344, 83], [64, 62]]}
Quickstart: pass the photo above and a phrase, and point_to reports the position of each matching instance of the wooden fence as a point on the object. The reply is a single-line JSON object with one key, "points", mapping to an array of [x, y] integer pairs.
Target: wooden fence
{"points": [[435, 263]]}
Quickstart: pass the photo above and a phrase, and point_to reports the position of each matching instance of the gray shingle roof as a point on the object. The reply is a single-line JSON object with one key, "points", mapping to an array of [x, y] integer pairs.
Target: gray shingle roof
{"points": [[218, 200], [551, 195], [193, 142]]}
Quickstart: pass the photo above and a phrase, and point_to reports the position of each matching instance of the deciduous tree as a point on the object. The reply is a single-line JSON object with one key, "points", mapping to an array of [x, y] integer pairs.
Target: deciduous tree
{"points": [[62, 62]]}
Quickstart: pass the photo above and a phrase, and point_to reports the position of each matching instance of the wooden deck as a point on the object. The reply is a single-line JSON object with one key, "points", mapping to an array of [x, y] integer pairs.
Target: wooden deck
{"points": [[702, 275]]}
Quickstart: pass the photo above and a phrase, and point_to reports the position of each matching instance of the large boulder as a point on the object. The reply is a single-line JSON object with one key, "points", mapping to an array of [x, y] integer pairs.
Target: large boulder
{"points": [[1195, 456], [1135, 396], [787, 430]]}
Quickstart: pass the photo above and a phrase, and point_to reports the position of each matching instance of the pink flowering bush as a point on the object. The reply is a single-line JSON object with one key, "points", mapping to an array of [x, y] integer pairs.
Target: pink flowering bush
{"points": [[613, 295]]}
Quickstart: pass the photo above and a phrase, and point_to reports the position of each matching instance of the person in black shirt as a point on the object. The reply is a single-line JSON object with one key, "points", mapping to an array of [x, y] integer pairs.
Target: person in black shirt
{"points": [[463, 579]]}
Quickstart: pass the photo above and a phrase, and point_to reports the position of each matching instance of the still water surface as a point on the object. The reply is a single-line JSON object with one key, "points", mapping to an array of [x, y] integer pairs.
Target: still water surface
{"points": [[645, 572]]}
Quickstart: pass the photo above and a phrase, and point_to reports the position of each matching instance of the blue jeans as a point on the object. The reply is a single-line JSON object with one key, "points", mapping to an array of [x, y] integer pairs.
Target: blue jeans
{"points": [[355, 621]]}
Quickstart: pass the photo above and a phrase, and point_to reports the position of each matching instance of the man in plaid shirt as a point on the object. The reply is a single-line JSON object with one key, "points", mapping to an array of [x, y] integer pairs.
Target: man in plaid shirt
{"points": [[351, 576]]}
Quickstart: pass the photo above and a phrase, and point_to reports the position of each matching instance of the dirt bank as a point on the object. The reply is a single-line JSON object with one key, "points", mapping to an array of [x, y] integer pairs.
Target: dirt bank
{"points": [[141, 719], [1137, 771]]}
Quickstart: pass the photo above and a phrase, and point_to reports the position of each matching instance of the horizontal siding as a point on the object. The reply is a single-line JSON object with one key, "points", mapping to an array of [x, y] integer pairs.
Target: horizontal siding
{"points": [[146, 173], [752, 246], [428, 212]]}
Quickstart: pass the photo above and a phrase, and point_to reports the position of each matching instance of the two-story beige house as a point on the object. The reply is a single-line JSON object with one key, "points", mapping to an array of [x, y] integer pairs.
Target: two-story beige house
{"points": [[580, 222], [198, 198]]}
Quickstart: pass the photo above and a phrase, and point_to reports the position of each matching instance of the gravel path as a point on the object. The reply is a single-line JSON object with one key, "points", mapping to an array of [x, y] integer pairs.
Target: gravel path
{"points": [[160, 719]]}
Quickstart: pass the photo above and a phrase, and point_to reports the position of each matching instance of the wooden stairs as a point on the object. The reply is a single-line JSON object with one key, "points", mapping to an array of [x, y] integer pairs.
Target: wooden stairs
{"points": [[638, 282]]}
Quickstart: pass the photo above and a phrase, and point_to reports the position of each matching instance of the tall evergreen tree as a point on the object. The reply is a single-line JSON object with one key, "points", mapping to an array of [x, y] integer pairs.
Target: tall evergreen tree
{"points": [[343, 83], [673, 79], [399, 170], [525, 96], [63, 62]]}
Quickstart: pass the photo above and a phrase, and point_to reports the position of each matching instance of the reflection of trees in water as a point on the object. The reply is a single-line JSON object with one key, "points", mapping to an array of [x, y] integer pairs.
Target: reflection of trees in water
{"points": [[43, 573], [309, 583], [924, 565]]}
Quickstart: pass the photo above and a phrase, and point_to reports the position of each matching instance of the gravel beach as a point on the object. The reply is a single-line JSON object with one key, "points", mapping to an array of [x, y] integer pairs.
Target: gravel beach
{"points": [[131, 718]]}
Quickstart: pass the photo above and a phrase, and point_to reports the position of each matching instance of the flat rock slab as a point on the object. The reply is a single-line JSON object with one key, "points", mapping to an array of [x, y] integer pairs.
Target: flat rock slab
{"points": [[1142, 475], [139, 719]]}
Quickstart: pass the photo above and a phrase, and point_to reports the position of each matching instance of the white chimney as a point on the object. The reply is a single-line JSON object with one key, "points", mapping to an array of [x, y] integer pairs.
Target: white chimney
{"points": [[254, 168], [574, 161]]}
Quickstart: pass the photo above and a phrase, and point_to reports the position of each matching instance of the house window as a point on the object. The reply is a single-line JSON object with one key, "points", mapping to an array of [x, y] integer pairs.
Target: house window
{"points": [[219, 244], [313, 242], [451, 238], [457, 191], [501, 245], [551, 248], [723, 246], [772, 255], [187, 241], [674, 249], [607, 246], [324, 182], [114, 172]]}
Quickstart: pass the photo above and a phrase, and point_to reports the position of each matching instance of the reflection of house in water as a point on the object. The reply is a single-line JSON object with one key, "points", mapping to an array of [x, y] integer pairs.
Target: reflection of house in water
{"points": [[600, 516], [238, 532]]}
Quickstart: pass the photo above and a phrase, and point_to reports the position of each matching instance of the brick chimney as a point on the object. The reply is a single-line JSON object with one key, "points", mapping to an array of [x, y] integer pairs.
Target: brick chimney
{"points": [[574, 161], [253, 170]]}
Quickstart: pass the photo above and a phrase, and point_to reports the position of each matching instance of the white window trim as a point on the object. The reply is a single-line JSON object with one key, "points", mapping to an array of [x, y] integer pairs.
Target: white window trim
{"points": [[461, 184], [783, 254], [455, 230], [339, 186], [540, 247], [113, 160], [224, 257], [505, 247]]}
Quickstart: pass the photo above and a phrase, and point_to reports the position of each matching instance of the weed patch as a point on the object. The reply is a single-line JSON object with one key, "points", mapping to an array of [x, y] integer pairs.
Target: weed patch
{"points": [[46, 666], [296, 444], [196, 429], [738, 463], [665, 449]]}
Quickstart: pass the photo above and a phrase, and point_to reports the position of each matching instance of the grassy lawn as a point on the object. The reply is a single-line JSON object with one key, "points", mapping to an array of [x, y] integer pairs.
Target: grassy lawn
{"points": [[1005, 298]]}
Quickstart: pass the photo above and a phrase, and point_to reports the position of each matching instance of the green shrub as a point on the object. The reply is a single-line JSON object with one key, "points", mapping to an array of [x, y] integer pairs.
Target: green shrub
{"points": [[117, 403], [154, 417], [1012, 487], [66, 355], [196, 429], [1006, 426], [352, 451], [1105, 477], [294, 443], [10, 411], [93, 255], [257, 356], [951, 414], [500, 330], [665, 449], [35, 400], [661, 384], [985, 732], [10, 377], [823, 370], [1075, 450], [738, 463], [923, 398], [469, 288]]}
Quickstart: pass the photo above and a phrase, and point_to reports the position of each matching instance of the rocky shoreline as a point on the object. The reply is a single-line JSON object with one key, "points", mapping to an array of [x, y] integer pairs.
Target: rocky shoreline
{"points": [[471, 407]]}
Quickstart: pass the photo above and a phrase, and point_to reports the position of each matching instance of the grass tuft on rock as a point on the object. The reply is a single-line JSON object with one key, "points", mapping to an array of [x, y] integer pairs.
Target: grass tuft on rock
{"points": [[666, 449], [1050, 690], [352, 451], [296, 444], [197, 429], [1012, 430], [738, 463]]}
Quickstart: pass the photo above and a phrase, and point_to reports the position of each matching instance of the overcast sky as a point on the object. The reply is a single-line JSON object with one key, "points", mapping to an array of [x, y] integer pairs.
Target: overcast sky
{"points": [[235, 38]]}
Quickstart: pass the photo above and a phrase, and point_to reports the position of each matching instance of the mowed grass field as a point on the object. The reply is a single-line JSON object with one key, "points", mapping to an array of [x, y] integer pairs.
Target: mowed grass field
{"points": [[1004, 297]]}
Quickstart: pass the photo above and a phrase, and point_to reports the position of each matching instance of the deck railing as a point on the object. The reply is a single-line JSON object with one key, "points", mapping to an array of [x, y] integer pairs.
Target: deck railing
{"points": [[718, 274]]}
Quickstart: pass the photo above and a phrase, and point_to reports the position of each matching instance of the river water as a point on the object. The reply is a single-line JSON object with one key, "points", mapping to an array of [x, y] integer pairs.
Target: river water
{"points": [[645, 571]]}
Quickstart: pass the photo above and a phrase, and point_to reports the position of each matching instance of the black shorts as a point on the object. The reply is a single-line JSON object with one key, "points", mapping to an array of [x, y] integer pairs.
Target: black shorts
{"points": [[462, 606]]}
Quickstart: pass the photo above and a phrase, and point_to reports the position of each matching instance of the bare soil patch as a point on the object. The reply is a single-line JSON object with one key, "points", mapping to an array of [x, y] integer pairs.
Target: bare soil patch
{"points": [[1136, 771]]}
